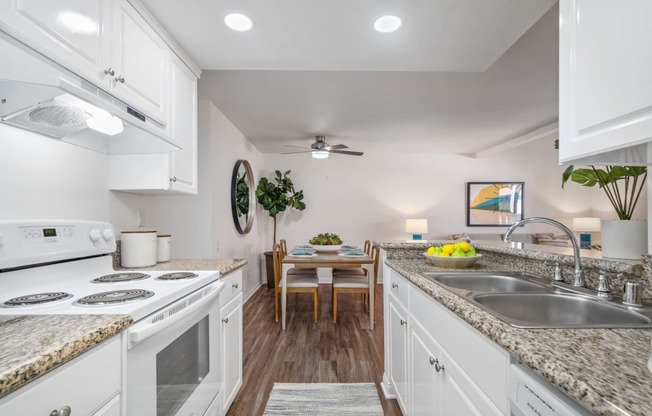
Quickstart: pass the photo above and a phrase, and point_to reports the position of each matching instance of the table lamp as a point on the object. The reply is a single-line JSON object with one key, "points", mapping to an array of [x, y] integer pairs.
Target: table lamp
{"points": [[416, 227], [585, 226]]}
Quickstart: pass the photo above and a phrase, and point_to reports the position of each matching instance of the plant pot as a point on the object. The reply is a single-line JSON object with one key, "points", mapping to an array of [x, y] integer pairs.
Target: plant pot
{"points": [[624, 239], [269, 263]]}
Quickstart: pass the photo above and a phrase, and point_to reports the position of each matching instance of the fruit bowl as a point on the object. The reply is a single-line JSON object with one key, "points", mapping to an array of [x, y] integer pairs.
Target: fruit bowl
{"points": [[327, 248], [453, 262]]}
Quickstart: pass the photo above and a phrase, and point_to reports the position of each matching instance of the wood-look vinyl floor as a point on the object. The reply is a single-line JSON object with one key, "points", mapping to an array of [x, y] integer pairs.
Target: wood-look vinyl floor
{"points": [[309, 352]]}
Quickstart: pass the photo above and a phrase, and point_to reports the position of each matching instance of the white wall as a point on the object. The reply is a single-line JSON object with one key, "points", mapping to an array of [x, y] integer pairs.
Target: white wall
{"points": [[202, 226], [43, 178]]}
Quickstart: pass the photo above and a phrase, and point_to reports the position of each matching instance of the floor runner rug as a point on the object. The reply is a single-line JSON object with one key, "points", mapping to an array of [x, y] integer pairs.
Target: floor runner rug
{"points": [[317, 399]]}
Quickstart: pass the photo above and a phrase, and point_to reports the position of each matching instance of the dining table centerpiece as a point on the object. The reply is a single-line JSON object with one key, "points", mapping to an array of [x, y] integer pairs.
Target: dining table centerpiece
{"points": [[326, 242]]}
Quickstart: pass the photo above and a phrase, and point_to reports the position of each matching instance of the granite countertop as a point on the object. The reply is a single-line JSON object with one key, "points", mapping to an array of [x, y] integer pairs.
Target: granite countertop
{"points": [[603, 369], [32, 345], [224, 266]]}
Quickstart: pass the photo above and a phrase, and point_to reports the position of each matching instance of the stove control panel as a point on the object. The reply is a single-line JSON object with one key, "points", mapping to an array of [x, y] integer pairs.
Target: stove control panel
{"points": [[25, 243]]}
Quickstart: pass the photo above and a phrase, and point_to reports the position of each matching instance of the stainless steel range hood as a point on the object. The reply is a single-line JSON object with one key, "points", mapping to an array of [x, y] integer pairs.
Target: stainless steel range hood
{"points": [[38, 95]]}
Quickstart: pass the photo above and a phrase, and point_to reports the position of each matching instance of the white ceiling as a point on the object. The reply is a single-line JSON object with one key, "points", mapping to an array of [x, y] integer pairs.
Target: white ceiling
{"points": [[459, 76]]}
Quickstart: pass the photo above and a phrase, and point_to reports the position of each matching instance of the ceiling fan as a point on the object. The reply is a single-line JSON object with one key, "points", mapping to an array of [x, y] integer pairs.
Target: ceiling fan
{"points": [[320, 149]]}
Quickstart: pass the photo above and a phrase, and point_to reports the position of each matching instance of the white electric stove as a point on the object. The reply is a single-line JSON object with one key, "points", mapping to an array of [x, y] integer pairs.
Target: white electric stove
{"points": [[55, 267]]}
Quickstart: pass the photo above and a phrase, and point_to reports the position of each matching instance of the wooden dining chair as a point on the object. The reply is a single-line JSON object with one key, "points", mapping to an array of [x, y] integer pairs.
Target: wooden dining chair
{"points": [[355, 283], [296, 283], [354, 270], [297, 269]]}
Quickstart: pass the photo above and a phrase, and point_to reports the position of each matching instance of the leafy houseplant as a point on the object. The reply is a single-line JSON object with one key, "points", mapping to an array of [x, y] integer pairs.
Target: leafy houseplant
{"points": [[276, 197], [242, 196], [621, 184]]}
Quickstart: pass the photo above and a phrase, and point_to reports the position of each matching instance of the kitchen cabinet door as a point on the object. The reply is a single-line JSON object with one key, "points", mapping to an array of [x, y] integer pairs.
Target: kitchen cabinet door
{"points": [[231, 342], [398, 333], [605, 93], [426, 376], [140, 59], [73, 33]]}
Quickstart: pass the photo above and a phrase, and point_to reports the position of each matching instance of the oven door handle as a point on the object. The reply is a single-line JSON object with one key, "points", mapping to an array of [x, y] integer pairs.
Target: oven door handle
{"points": [[146, 329]]}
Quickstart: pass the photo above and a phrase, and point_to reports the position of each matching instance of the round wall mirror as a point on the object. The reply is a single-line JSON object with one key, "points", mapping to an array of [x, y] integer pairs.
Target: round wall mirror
{"points": [[243, 197]]}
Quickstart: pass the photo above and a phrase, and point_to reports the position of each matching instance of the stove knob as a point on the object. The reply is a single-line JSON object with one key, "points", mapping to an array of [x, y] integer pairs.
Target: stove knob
{"points": [[107, 234], [95, 235]]}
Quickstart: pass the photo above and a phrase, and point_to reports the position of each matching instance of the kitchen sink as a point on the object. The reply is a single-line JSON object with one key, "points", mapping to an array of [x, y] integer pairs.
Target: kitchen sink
{"points": [[521, 300], [486, 282], [557, 310]]}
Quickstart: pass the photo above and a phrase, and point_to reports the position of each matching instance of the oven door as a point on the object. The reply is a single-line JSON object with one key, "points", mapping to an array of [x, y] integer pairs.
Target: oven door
{"points": [[172, 363]]}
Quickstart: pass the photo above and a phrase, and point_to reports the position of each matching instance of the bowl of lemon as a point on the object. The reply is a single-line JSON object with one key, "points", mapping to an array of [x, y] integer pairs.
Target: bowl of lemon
{"points": [[453, 256]]}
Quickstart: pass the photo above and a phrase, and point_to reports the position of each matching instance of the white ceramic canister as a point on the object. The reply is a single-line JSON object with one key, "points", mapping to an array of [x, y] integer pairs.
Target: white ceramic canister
{"points": [[163, 248], [138, 248]]}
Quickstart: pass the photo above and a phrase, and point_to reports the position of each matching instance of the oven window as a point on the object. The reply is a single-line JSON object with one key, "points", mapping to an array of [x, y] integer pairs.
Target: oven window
{"points": [[180, 367]]}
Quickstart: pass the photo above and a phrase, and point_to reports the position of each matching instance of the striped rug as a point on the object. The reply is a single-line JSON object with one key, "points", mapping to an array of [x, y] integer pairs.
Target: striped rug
{"points": [[317, 399]]}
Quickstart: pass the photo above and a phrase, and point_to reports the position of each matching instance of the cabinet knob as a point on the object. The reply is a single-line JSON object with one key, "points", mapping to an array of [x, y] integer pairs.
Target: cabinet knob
{"points": [[225, 320], [120, 79], [109, 71], [432, 360], [394, 285], [403, 322], [235, 285], [173, 179], [64, 411], [438, 367]]}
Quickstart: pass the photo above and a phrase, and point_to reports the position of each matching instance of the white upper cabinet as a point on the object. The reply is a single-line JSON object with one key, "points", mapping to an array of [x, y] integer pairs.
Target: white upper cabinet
{"points": [[140, 60], [605, 89], [106, 42]]}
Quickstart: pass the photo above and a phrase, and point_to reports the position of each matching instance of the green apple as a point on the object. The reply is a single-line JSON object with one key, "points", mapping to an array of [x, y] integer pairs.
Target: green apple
{"points": [[458, 253]]}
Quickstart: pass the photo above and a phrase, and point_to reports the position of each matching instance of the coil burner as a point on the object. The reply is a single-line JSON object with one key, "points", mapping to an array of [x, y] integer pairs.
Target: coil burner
{"points": [[120, 277], [36, 299], [114, 297], [177, 276]]}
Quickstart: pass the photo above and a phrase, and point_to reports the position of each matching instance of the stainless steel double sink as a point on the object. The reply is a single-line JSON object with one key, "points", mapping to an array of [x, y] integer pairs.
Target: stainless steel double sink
{"points": [[522, 301]]}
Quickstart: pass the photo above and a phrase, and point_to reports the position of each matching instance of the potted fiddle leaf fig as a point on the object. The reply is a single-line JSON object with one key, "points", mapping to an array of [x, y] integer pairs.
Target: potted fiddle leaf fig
{"points": [[275, 197]]}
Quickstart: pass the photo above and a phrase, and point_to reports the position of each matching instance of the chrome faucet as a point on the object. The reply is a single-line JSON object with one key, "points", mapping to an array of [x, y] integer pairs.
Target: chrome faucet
{"points": [[578, 275]]}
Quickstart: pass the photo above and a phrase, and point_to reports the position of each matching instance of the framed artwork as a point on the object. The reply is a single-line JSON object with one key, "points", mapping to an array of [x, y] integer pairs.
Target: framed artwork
{"points": [[494, 204]]}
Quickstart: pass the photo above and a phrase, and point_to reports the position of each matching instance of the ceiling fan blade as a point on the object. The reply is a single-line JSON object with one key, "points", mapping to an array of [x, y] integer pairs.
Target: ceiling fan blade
{"points": [[336, 147], [346, 152], [300, 147]]}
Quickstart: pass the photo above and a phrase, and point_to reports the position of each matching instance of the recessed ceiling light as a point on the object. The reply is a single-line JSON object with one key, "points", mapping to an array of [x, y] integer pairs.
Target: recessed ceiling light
{"points": [[387, 24], [238, 21]]}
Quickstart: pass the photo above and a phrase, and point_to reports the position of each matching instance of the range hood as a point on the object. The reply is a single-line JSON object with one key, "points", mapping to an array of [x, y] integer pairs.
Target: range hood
{"points": [[38, 95]]}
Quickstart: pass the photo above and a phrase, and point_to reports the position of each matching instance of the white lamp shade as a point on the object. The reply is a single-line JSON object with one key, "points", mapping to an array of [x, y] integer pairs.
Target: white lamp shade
{"points": [[416, 226], [586, 224]]}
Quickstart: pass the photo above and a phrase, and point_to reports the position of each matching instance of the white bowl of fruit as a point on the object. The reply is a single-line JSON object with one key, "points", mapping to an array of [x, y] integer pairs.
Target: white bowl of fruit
{"points": [[453, 256], [326, 242]]}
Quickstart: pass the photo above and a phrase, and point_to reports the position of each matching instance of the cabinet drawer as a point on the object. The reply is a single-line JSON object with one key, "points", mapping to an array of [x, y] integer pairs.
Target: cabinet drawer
{"points": [[84, 384], [484, 362], [399, 287], [232, 286]]}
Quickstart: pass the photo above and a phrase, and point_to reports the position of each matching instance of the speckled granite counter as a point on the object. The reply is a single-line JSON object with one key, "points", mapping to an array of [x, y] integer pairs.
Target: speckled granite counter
{"points": [[604, 369], [32, 345], [223, 266]]}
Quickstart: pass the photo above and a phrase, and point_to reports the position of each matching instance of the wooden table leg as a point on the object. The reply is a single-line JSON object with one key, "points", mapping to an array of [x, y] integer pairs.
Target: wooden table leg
{"points": [[372, 302], [284, 296]]}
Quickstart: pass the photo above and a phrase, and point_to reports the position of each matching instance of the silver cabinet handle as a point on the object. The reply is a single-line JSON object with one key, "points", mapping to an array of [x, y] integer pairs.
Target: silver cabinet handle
{"points": [[120, 79], [225, 320], [109, 71], [235, 285], [403, 322], [173, 179], [438, 367], [64, 411], [394, 285], [432, 361]]}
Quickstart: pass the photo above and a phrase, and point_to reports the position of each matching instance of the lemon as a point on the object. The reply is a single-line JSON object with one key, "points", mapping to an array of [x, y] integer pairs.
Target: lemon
{"points": [[465, 246], [444, 254], [431, 251], [448, 249]]}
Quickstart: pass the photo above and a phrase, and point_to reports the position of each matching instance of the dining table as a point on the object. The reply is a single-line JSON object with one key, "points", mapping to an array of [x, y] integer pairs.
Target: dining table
{"points": [[327, 259]]}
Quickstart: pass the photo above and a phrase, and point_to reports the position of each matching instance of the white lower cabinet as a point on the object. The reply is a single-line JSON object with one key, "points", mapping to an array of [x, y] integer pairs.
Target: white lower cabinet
{"points": [[231, 305], [439, 365], [87, 385]]}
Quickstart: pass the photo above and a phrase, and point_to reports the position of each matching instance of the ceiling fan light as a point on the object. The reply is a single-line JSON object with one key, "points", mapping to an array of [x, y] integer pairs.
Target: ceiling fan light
{"points": [[319, 154]]}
